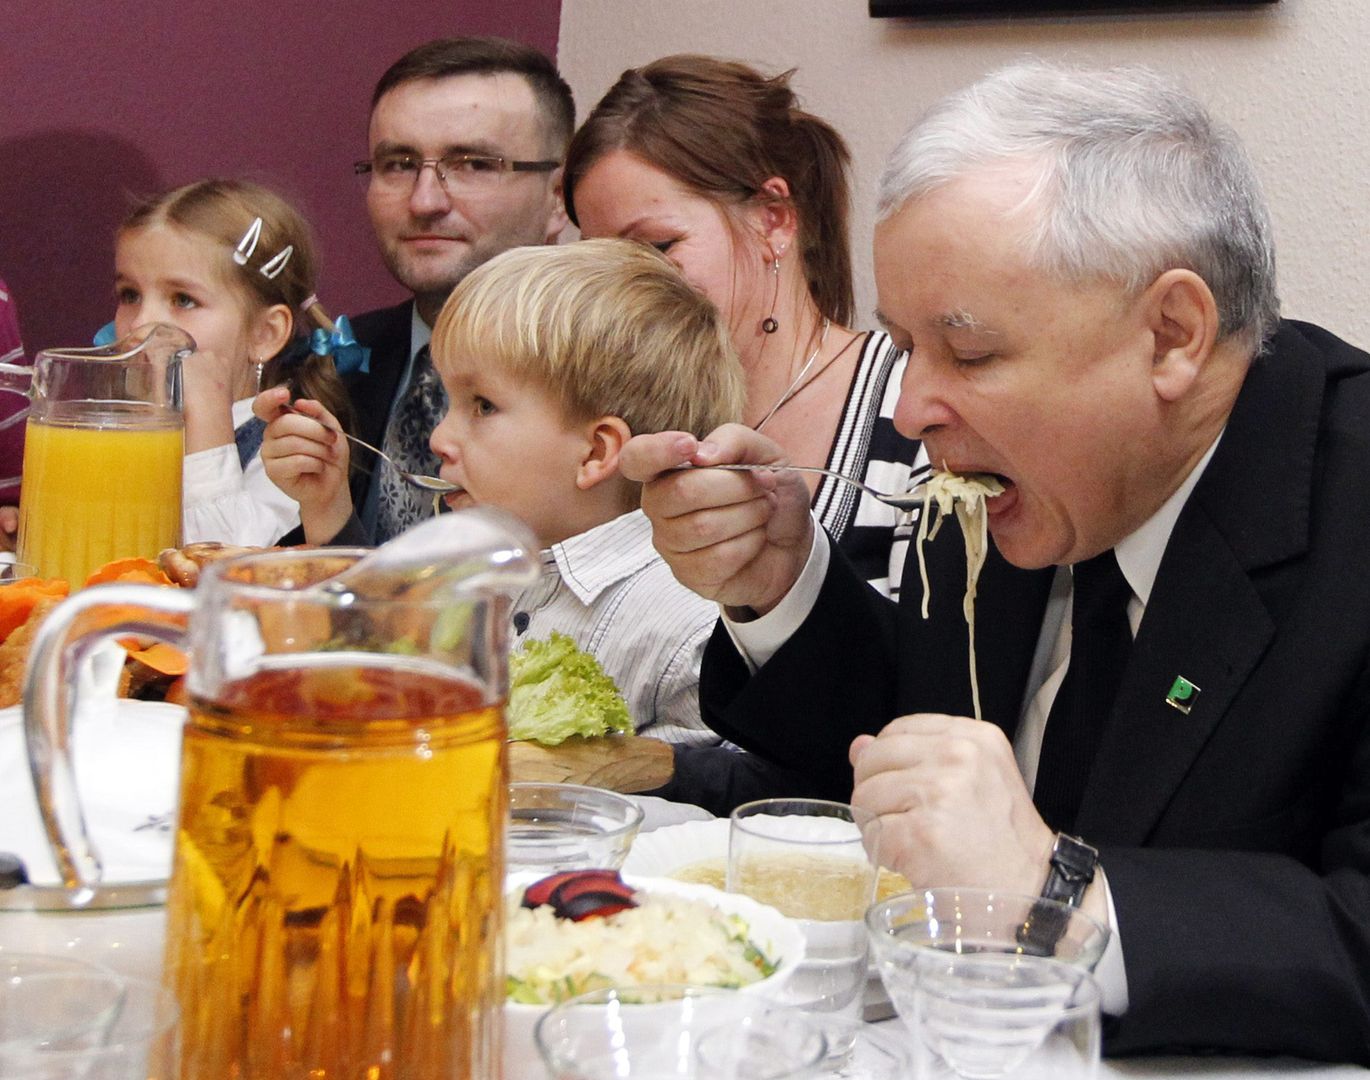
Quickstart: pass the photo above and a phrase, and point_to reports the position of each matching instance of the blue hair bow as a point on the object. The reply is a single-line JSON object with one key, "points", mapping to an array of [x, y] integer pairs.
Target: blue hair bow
{"points": [[348, 356], [105, 335]]}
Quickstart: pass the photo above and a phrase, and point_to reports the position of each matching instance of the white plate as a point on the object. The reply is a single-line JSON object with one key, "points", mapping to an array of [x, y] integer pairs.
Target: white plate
{"points": [[666, 850], [778, 937]]}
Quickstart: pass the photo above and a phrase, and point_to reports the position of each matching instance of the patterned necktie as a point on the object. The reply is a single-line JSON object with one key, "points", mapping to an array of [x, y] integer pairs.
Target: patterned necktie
{"points": [[248, 439], [399, 504], [1100, 640]]}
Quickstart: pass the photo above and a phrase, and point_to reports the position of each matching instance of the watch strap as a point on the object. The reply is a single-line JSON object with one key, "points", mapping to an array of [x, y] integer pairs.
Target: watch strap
{"points": [[1071, 870]]}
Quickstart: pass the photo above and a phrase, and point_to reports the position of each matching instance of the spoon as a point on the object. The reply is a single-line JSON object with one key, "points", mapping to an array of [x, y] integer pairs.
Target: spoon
{"points": [[419, 480], [904, 501]]}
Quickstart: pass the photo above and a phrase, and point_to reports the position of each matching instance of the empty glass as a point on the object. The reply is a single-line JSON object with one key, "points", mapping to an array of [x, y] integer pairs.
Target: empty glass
{"points": [[984, 1016], [677, 1033], [126, 1021], [556, 827], [54, 1000]]}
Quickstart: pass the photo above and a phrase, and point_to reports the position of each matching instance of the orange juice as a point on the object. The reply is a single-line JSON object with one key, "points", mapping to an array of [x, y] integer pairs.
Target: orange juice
{"points": [[334, 908], [105, 488]]}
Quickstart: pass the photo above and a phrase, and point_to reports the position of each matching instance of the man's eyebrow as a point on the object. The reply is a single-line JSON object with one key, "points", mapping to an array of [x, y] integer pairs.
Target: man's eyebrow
{"points": [[385, 146], [961, 319]]}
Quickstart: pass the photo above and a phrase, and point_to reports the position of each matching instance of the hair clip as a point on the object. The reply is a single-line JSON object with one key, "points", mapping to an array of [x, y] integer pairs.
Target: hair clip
{"points": [[248, 244], [272, 267]]}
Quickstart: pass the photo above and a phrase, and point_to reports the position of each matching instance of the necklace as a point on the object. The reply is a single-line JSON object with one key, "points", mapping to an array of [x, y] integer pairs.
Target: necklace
{"points": [[797, 384]]}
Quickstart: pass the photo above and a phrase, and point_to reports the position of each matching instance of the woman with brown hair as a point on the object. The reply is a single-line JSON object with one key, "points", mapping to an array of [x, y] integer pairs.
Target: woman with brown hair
{"points": [[716, 165]]}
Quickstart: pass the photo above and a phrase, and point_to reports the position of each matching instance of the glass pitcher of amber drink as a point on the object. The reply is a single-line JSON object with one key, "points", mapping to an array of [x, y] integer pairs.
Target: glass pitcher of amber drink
{"points": [[102, 452], [334, 907]]}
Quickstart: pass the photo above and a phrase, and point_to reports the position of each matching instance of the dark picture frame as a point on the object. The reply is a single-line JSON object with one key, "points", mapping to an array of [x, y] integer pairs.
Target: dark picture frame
{"points": [[900, 8]]}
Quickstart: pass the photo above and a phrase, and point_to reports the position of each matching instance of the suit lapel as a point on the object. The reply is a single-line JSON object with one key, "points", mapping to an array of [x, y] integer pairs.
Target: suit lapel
{"points": [[1206, 619]]}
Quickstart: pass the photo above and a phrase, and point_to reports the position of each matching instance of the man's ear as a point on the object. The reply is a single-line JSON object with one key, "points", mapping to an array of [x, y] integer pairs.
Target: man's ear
{"points": [[557, 219], [271, 329], [606, 438], [779, 222], [1183, 317]]}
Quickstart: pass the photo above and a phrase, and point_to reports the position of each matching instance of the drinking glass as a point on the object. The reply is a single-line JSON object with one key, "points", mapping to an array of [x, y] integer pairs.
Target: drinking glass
{"points": [[124, 1034], [46, 1000], [816, 862], [554, 827], [12, 571], [983, 1016], [335, 901], [677, 1033], [102, 452]]}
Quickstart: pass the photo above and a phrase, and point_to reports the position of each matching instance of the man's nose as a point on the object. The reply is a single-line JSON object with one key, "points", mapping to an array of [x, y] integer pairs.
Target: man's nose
{"points": [[923, 407], [429, 196]]}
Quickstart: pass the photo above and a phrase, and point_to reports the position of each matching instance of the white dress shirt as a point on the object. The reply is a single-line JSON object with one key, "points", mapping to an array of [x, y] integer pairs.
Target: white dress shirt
{"points": [[1139, 557]]}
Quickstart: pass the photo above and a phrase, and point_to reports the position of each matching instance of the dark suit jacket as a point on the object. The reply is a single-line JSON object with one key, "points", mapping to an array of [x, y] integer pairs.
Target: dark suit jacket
{"points": [[1236, 839], [386, 333]]}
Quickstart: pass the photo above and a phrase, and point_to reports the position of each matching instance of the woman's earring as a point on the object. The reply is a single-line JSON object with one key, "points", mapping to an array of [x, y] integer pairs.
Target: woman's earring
{"points": [[260, 365], [769, 323]]}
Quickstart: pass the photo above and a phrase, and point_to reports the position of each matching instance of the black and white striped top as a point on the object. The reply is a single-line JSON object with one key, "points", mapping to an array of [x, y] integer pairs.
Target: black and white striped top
{"points": [[875, 537]]}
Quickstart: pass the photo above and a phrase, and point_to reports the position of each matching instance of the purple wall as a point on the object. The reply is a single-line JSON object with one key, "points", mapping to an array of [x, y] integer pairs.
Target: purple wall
{"points": [[101, 101]]}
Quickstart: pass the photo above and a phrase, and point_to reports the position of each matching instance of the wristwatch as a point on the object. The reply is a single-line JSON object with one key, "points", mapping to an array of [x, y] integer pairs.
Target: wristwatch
{"points": [[1072, 869]]}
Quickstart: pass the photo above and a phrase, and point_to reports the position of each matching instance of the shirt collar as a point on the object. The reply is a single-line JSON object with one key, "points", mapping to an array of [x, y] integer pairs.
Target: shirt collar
{"points": [[420, 333], [1139, 554], [592, 561]]}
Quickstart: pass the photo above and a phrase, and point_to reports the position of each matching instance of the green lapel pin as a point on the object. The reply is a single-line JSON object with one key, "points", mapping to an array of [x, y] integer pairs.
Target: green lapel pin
{"points": [[1183, 694]]}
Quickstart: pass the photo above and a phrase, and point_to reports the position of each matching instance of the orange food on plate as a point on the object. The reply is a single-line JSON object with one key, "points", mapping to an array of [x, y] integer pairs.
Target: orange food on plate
{"points": [[18, 599], [135, 571]]}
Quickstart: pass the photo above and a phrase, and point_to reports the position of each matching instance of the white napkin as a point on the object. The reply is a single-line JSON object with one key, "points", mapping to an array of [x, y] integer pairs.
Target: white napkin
{"points": [[127, 763]]}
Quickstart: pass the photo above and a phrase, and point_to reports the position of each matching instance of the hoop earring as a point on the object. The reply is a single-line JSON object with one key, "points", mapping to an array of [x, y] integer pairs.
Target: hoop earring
{"points": [[769, 324]]}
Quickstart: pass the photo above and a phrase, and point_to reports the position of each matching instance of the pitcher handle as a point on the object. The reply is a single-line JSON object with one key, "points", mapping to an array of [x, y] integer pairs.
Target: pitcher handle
{"points": [[16, 378], [51, 693]]}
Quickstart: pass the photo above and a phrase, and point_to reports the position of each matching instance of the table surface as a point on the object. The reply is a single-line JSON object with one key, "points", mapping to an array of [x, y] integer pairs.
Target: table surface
{"points": [[1210, 1067]]}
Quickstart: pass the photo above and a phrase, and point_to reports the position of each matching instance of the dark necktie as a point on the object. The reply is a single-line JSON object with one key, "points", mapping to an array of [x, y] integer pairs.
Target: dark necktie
{"points": [[248, 439], [401, 505], [1100, 639]]}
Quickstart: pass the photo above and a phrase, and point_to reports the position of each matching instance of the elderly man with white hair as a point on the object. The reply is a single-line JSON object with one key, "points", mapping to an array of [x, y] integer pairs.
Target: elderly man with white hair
{"points": [[1173, 626]]}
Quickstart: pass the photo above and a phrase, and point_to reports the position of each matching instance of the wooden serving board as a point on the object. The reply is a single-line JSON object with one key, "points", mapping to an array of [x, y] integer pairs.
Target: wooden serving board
{"points": [[625, 763]]}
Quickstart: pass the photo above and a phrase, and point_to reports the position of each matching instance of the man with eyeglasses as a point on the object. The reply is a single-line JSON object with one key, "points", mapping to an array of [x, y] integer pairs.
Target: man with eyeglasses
{"points": [[466, 141]]}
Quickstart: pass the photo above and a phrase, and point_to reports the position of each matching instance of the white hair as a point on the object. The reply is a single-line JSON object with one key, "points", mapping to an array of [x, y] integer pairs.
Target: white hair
{"points": [[1133, 178]]}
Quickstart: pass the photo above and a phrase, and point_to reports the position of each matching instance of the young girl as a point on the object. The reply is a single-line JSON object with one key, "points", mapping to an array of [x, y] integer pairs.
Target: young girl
{"points": [[232, 264]]}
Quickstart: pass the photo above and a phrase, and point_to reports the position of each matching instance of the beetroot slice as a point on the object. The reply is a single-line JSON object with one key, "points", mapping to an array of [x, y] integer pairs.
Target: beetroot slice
{"points": [[540, 892], [581, 894]]}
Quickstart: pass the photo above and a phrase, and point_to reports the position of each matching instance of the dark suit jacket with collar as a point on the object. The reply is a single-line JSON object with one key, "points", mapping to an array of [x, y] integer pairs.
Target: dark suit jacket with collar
{"points": [[1235, 839], [386, 333]]}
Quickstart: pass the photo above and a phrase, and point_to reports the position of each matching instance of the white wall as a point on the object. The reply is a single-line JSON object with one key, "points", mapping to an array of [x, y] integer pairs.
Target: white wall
{"points": [[1290, 77]]}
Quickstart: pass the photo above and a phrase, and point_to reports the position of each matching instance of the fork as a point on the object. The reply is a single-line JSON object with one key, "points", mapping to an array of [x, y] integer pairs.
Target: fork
{"points": [[903, 501], [419, 480]]}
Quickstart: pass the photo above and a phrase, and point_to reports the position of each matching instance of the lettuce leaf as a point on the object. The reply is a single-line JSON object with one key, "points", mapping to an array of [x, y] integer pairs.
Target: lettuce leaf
{"points": [[556, 691]]}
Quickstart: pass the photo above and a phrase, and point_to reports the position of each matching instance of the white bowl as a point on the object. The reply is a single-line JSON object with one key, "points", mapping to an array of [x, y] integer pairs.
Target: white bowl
{"points": [[775, 935]]}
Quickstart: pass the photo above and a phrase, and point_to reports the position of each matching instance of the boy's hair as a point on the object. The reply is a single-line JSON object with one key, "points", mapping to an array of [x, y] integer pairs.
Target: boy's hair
{"points": [[608, 327], [475, 55], [223, 211]]}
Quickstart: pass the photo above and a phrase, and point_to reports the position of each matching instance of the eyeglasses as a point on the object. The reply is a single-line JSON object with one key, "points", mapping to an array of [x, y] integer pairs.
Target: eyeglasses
{"points": [[400, 172]]}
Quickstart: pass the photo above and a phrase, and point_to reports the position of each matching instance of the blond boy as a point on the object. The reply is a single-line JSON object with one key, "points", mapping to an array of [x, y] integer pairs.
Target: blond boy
{"points": [[552, 358]]}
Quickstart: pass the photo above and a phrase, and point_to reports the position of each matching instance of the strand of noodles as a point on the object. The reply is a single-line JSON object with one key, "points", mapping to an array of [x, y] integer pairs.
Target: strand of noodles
{"points": [[965, 496]]}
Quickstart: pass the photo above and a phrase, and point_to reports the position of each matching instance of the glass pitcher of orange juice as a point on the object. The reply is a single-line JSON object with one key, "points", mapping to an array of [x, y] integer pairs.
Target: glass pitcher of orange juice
{"points": [[102, 452], [334, 908]]}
